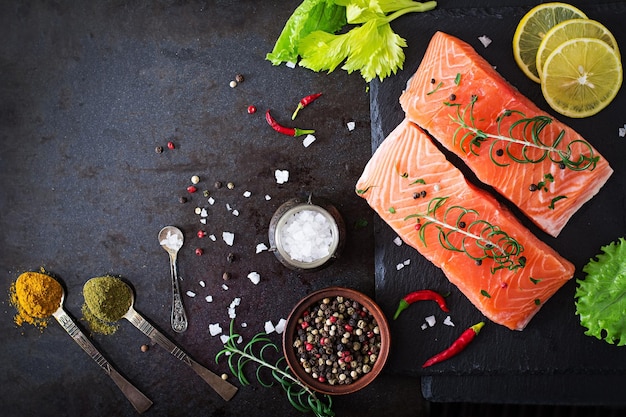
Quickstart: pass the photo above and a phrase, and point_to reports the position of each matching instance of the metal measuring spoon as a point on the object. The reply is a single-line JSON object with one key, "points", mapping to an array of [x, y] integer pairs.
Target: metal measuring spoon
{"points": [[225, 389], [171, 239], [136, 397]]}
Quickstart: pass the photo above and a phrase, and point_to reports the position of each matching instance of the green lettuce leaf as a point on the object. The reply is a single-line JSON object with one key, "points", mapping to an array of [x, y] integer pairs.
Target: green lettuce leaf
{"points": [[601, 296], [309, 16]]}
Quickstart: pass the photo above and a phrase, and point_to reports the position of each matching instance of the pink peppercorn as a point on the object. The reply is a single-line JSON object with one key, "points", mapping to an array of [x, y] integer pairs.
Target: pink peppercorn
{"points": [[308, 346], [201, 234], [199, 251], [170, 145], [304, 324], [191, 189], [251, 109]]}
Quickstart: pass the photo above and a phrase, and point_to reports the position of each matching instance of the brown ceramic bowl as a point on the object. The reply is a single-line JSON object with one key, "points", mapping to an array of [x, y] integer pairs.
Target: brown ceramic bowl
{"points": [[291, 333]]}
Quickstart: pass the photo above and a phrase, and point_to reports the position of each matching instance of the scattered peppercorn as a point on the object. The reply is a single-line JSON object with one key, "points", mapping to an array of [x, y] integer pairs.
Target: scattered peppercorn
{"points": [[145, 348], [233, 84], [182, 200], [199, 251], [205, 193], [251, 109], [224, 377], [499, 152], [158, 149], [230, 185], [239, 78], [532, 187], [195, 179], [218, 184], [230, 257], [191, 189], [432, 81], [462, 225], [561, 165], [170, 145], [226, 276], [452, 97], [201, 234]]}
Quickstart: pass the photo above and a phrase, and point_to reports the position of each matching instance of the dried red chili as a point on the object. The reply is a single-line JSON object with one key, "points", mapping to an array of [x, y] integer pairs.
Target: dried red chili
{"points": [[457, 346], [305, 101], [420, 295], [289, 131]]}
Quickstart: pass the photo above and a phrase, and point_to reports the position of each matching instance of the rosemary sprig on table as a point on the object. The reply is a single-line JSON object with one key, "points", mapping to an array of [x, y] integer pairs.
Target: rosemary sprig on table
{"points": [[530, 140], [475, 237], [300, 396]]}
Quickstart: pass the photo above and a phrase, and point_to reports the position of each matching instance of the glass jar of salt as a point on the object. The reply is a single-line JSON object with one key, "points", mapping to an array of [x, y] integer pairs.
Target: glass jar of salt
{"points": [[306, 236]]}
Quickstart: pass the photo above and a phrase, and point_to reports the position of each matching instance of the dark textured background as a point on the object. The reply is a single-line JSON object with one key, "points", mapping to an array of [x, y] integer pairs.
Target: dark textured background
{"points": [[87, 91]]}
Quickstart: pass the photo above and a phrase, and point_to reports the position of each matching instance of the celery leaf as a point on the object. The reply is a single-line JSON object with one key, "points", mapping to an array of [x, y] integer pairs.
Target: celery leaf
{"points": [[309, 16], [601, 296]]}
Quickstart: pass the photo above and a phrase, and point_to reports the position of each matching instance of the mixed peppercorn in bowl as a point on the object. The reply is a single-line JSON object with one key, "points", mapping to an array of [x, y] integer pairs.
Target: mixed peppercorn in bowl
{"points": [[336, 340]]}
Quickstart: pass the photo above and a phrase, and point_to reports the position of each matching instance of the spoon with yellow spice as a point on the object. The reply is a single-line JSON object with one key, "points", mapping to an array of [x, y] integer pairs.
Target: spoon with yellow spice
{"points": [[110, 299], [38, 296]]}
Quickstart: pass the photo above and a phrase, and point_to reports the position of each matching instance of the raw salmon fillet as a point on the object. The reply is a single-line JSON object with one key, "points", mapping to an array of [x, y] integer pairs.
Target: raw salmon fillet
{"points": [[500, 266], [460, 99]]}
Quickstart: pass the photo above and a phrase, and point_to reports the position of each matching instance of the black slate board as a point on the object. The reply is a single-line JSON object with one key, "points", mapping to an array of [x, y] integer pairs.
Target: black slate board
{"points": [[554, 342]]}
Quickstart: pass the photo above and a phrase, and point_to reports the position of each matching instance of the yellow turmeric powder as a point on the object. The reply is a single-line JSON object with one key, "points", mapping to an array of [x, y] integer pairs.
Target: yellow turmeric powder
{"points": [[36, 296]]}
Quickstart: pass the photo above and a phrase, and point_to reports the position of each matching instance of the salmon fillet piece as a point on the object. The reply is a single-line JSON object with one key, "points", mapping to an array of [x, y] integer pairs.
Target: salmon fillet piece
{"points": [[500, 266], [541, 165]]}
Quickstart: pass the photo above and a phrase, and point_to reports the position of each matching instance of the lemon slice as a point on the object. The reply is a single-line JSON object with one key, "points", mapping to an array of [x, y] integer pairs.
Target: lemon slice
{"points": [[532, 29], [571, 29], [581, 77]]}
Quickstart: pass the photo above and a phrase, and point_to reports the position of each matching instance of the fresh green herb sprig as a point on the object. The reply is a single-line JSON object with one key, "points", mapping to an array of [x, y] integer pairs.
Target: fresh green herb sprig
{"points": [[300, 396], [477, 238], [469, 137]]}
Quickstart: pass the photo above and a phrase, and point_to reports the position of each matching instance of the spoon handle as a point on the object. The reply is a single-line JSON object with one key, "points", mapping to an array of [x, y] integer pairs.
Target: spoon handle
{"points": [[225, 389], [136, 397], [179, 318]]}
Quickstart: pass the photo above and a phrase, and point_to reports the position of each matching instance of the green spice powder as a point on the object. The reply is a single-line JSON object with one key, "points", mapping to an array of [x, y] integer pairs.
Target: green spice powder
{"points": [[107, 299]]}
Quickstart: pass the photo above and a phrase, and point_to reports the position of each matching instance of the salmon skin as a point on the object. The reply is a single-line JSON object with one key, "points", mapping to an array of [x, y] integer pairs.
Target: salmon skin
{"points": [[541, 165], [500, 266]]}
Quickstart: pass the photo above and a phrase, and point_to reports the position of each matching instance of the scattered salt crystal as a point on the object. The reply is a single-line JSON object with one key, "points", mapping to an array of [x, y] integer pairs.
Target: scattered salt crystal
{"points": [[228, 207], [448, 321], [280, 327], [203, 221], [225, 287], [269, 327], [209, 298], [212, 237], [231, 313], [282, 176], [307, 236], [261, 247], [211, 200], [351, 126], [436, 187], [235, 212], [398, 241], [399, 266], [224, 338], [228, 237], [431, 320], [308, 139], [254, 277], [290, 64], [204, 213], [215, 329], [407, 262], [424, 326], [247, 194], [202, 284], [191, 294], [485, 40], [622, 131], [236, 301], [244, 324], [240, 339], [267, 197]]}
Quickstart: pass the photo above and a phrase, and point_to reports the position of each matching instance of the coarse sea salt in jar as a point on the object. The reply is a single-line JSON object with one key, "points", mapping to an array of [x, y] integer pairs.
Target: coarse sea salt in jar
{"points": [[306, 236]]}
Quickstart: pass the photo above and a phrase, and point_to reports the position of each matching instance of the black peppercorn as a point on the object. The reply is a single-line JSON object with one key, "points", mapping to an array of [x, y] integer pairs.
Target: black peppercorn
{"points": [[239, 78], [532, 187], [230, 257], [158, 149], [499, 152], [182, 200], [218, 184]]}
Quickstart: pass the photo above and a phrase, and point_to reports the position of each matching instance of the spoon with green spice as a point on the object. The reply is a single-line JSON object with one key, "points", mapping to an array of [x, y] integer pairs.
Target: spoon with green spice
{"points": [[171, 239], [111, 299], [139, 401]]}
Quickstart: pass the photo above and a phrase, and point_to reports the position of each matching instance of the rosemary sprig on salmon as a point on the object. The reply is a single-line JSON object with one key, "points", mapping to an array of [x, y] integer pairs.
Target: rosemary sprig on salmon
{"points": [[462, 230], [525, 132]]}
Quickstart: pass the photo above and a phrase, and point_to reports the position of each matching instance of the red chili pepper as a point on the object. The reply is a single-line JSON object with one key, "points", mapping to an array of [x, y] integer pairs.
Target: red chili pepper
{"points": [[289, 131], [305, 101], [457, 346], [420, 296]]}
